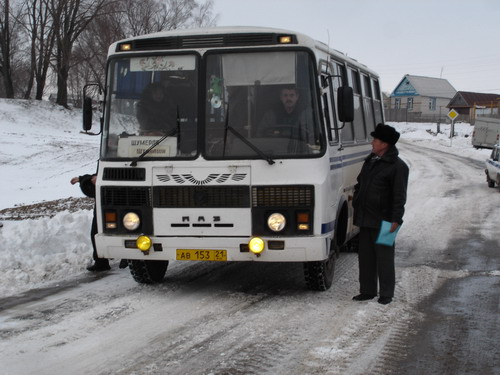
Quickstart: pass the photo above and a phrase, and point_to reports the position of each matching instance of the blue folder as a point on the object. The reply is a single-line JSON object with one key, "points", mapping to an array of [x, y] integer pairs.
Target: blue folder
{"points": [[385, 237]]}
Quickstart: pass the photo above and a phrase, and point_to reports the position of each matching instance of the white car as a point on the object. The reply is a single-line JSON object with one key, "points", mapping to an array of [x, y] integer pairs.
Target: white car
{"points": [[493, 167]]}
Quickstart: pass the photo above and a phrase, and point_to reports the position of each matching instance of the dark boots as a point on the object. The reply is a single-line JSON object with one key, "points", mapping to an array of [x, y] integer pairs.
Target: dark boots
{"points": [[99, 265]]}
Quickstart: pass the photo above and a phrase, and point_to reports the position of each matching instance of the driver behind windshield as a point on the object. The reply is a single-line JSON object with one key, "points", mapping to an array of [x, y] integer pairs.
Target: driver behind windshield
{"points": [[288, 118], [155, 113]]}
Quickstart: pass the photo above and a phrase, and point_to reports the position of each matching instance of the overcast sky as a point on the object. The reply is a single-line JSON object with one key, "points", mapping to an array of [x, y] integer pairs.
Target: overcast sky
{"points": [[454, 39]]}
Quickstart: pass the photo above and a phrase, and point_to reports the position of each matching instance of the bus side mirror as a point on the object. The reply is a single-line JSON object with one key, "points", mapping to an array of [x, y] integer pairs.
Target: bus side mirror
{"points": [[91, 93], [87, 113], [345, 103]]}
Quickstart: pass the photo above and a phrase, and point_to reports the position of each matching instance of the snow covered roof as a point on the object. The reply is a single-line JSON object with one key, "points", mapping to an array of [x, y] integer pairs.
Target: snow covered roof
{"points": [[424, 86]]}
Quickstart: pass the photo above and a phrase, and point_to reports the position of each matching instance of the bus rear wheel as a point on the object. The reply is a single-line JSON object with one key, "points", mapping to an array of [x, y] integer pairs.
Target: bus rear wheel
{"points": [[148, 271], [319, 275]]}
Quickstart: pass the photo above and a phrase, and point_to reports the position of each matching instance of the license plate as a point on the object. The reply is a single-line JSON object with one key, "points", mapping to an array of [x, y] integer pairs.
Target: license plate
{"points": [[194, 254]]}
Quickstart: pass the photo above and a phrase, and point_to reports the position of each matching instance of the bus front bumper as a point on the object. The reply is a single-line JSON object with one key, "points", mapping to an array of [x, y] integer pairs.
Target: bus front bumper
{"points": [[290, 249]]}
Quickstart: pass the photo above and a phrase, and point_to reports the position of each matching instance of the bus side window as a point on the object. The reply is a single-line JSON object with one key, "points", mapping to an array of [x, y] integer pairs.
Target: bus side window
{"points": [[329, 79], [377, 104], [348, 130], [368, 108], [327, 114], [335, 81], [359, 112]]}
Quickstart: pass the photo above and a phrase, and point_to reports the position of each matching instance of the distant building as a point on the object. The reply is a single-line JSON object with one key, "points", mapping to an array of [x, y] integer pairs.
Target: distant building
{"points": [[420, 99], [473, 104]]}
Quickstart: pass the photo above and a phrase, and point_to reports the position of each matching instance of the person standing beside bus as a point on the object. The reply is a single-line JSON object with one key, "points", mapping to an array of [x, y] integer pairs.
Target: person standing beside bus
{"points": [[87, 184], [379, 195]]}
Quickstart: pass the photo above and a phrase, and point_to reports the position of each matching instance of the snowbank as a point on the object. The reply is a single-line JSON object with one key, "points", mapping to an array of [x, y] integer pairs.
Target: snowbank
{"points": [[36, 251]]}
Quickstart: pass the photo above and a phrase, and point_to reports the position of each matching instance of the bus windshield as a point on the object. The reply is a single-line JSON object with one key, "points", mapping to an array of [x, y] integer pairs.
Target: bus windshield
{"points": [[261, 103], [257, 105], [150, 98]]}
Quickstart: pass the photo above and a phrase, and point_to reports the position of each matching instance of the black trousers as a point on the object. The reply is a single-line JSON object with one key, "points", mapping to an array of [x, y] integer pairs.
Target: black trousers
{"points": [[376, 265], [93, 232]]}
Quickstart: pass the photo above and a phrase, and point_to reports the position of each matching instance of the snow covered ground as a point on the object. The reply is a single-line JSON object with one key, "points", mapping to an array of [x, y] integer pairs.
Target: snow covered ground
{"points": [[41, 148], [242, 319]]}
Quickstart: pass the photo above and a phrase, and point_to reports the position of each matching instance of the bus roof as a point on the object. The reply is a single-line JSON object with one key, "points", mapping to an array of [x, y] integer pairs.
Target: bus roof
{"points": [[249, 31]]}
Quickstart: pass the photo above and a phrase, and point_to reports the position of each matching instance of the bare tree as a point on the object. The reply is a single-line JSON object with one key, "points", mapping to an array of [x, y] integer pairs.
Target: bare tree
{"points": [[202, 15], [143, 17], [39, 27], [71, 18], [179, 13], [5, 49], [90, 52], [149, 16]]}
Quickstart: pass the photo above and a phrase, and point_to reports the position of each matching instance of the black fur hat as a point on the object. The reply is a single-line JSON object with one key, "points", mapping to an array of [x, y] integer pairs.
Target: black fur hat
{"points": [[386, 134]]}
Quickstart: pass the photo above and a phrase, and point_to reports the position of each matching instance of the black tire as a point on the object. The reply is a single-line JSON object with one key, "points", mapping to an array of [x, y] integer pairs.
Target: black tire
{"points": [[148, 271], [319, 275], [491, 183]]}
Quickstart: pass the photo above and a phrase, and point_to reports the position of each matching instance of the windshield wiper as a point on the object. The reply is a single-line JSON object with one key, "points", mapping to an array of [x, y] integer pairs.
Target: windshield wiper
{"points": [[174, 131], [244, 140]]}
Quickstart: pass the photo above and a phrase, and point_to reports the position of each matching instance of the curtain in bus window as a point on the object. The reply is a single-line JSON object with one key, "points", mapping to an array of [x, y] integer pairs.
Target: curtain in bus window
{"points": [[262, 68], [130, 84]]}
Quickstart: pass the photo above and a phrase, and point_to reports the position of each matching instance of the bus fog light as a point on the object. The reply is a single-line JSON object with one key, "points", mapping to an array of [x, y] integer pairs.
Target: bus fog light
{"points": [[276, 222], [144, 243], [131, 221], [256, 245]]}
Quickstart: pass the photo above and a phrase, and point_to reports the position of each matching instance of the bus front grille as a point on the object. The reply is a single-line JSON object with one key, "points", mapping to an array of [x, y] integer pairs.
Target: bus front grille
{"points": [[129, 196], [201, 196], [124, 174], [283, 196]]}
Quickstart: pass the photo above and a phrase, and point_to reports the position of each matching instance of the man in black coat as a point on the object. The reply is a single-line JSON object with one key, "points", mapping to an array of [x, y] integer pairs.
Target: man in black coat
{"points": [[87, 184], [379, 195]]}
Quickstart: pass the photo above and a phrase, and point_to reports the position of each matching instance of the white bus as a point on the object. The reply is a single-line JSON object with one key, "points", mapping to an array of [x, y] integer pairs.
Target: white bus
{"points": [[202, 159]]}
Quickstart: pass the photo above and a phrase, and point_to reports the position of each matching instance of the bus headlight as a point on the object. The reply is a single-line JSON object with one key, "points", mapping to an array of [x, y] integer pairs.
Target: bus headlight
{"points": [[131, 221], [276, 222]]}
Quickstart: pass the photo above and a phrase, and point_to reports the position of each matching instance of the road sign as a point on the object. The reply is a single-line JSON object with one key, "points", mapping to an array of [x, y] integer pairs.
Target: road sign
{"points": [[452, 115]]}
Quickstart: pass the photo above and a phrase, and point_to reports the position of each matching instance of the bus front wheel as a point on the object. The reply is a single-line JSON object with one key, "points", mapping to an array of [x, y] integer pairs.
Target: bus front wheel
{"points": [[148, 271], [319, 275]]}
